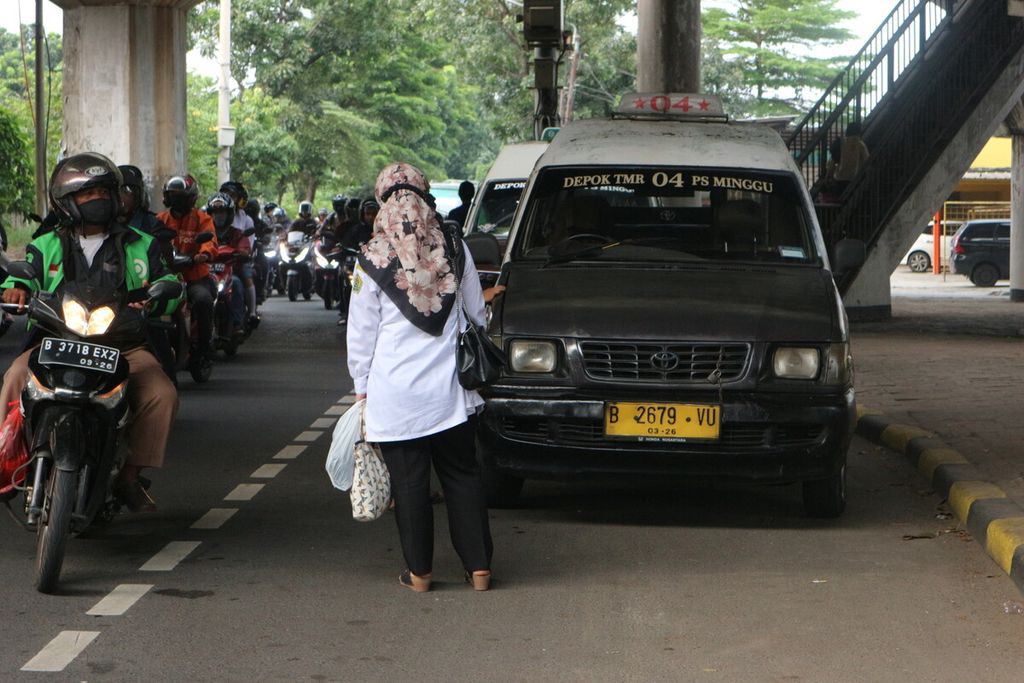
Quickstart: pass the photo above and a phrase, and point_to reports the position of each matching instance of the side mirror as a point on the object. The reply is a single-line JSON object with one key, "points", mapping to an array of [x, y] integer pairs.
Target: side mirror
{"points": [[203, 237], [850, 254], [484, 248], [21, 269], [165, 290]]}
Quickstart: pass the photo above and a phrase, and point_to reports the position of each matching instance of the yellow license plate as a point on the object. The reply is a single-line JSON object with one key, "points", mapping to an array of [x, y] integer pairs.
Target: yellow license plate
{"points": [[661, 420]]}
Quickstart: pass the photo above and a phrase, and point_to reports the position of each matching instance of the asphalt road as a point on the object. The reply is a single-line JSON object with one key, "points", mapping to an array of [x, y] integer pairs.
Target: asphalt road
{"points": [[592, 582]]}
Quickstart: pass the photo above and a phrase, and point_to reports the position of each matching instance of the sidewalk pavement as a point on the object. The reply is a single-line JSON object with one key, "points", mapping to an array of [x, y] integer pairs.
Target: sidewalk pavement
{"points": [[952, 363]]}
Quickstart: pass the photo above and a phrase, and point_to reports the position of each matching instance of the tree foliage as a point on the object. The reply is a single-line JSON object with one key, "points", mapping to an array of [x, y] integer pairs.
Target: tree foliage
{"points": [[17, 192], [760, 56]]}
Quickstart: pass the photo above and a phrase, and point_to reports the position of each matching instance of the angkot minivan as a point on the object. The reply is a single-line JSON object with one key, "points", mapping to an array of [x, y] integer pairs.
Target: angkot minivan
{"points": [[670, 311]]}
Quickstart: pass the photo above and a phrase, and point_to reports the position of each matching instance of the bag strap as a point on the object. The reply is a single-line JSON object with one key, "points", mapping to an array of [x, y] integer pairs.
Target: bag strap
{"points": [[458, 262]]}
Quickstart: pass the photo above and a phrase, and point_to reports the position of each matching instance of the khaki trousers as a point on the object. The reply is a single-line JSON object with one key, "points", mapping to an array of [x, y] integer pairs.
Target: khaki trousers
{"points": [[151, 395]]}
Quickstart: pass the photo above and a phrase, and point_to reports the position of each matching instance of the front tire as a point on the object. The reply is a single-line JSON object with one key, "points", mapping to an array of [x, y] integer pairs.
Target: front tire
{"points": [[826, 498], [984, 275], [293, 289], [919, 262], [200, 369], [54, 529]]}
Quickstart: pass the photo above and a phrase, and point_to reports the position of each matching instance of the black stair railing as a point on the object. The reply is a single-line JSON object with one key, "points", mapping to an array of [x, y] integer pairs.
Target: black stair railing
{"points": [[872, 77]]}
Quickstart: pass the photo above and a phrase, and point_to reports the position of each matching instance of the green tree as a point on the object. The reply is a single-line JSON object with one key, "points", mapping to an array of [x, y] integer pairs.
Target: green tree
{"points": [[762, 53], [17, 190]]}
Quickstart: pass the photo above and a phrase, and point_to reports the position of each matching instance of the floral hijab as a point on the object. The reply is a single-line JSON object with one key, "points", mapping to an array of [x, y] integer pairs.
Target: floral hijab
{"points": [[406, 256]]}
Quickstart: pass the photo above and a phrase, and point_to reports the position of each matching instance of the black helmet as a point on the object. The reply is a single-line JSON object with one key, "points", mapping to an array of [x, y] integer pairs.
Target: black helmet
{"points": [[183, 189], [78, 172], [224, 206], [135, 184], [338, 202], [352, 209], [305, 209], [236, 190], [269, 207]]}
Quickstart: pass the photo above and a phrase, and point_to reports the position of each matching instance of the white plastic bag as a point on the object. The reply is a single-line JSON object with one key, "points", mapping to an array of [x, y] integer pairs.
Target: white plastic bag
{"points": [[341, 456]]}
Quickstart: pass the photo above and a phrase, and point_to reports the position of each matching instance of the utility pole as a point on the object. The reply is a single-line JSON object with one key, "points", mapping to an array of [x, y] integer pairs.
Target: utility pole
{"points": [[668, 46], [569, 92], [40, 116], [225, 133]]}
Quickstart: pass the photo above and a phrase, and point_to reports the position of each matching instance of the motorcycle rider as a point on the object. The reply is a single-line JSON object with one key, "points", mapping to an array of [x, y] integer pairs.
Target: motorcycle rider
{"points": [[221, 208], [356, 236], [180, 194], [243, 222], [305, 222], [337, 222], [135, 198], [91, 246], [321, 217]]}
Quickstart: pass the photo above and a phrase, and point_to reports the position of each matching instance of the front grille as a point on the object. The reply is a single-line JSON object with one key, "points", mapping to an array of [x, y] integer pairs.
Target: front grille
{"points": [[656, 362], [736, 436]]}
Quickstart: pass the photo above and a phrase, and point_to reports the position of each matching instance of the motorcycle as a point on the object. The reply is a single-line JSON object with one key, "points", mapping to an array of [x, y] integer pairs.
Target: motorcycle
{"points": [[328, 257], [264, 267], [175, 336], [75, 408], [294, 268], [227, 336]]}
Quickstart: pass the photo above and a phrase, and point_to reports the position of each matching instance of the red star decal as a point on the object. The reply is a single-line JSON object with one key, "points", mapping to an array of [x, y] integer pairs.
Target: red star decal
{"points": [[704, 104], [639, 103]]}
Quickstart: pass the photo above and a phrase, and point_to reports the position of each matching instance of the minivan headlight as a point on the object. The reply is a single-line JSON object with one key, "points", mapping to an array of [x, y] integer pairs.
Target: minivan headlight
{"points": [[796, 362], [532, 356]]}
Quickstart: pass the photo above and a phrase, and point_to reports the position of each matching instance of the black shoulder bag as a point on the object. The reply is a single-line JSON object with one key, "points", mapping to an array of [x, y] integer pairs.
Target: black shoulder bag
{"points": [[478, 360]]}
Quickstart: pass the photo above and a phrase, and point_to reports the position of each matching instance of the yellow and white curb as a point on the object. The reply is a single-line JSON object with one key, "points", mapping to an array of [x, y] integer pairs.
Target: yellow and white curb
{"points": [[982, 507]]}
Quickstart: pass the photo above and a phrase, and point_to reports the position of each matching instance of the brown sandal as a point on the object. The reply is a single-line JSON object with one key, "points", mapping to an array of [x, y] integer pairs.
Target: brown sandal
{"points": [[479, 580], [420, 584]]}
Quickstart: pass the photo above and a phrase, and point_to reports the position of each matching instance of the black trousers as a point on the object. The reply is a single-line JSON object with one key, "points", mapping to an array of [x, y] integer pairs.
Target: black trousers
{"points": [[201, 295], [453, 453]]}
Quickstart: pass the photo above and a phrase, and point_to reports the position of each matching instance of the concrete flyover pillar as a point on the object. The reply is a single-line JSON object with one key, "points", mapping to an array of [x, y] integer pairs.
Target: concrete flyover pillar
{"points": [[668, 46], [124, 82], [1015, 126]]}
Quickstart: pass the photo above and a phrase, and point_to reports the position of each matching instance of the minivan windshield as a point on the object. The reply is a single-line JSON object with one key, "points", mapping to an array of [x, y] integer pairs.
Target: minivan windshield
{"points": [[636, 213], [498, 205]]}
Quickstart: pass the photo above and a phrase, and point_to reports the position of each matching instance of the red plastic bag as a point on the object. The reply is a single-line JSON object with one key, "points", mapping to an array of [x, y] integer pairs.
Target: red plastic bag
{"points": [[13, 451]]}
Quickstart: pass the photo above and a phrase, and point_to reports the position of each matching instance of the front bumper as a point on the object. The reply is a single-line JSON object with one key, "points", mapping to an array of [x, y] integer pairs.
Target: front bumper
{"points": [[764, 437]]}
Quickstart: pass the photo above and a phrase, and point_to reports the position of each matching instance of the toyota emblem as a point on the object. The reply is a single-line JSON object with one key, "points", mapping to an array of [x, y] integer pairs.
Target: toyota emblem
{"points": [[665, 360]]}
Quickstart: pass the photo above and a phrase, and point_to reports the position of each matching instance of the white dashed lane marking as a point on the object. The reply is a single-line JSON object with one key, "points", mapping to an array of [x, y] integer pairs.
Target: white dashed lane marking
{"points": [[347, 400], [168, 558], [307, 437], [120, 600], [289, 452], [61, 651], [336, 410], [215, 518], [323, 423], [267, 471], [244, 492]]}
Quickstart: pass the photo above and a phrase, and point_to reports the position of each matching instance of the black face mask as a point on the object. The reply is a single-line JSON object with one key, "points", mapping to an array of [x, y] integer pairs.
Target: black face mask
{"points": [[221, 220], [96, 211], [178, 205]]}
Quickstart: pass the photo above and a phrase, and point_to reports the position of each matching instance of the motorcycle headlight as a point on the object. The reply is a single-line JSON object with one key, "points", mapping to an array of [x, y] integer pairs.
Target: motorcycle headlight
{"points": [[790, 362], [99, 320], [532, 356], [321, 261], [84, 323], [302, 254], [220, 286], [269, 254]]}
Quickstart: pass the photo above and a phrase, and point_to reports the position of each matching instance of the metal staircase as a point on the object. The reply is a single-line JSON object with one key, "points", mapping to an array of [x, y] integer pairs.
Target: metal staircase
{"points": [[913, 86]]}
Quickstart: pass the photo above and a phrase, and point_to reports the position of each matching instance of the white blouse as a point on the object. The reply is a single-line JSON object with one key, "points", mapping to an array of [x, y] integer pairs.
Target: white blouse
{"points": [[409, 376]]}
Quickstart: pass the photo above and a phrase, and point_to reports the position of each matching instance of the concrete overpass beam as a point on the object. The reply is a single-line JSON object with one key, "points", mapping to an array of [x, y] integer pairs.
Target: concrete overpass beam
{"points": [[124, 82]]}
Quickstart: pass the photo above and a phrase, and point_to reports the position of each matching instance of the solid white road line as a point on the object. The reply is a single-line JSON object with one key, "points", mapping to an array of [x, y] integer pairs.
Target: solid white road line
{"points": [[336, 410], [323, 423], [244, 492], [168, 558], [267, 471], [61, 651], [289, 452], [307, 437], [119, 600], [215, 518]]}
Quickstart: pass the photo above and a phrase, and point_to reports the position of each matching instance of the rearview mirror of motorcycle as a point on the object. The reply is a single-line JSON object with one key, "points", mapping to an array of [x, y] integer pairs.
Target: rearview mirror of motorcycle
{"points": [[203, 237], [165, 290], [20, 269]]}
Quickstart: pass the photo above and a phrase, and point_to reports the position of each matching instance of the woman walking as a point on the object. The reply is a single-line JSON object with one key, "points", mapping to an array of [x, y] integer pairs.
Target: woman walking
{"points": [[402, 330]]}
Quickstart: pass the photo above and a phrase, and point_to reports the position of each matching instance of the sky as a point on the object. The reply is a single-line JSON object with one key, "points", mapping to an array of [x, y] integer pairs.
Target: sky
{"points": [[870, 16]]}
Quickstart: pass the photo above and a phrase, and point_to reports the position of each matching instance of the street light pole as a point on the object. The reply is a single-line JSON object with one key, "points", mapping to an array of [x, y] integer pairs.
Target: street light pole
{"points": [[40, 114], [225, 133]]}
